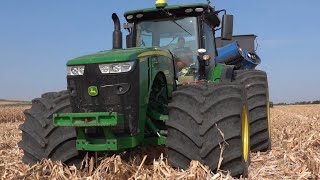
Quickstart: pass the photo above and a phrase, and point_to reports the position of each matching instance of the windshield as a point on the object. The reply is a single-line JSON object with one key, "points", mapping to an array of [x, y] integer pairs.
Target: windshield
{"points": [[175, 35]]}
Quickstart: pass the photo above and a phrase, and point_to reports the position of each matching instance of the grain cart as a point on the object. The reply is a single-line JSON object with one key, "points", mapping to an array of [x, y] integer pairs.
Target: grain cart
{"points": [[147, 94]]}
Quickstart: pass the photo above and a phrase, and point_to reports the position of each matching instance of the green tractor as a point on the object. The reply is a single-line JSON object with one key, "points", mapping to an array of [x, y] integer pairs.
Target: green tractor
{"points": [[170, 87]]}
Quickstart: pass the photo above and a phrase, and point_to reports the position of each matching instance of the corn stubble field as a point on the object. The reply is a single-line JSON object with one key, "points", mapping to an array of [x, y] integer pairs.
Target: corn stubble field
{"points": [[295, 153]]}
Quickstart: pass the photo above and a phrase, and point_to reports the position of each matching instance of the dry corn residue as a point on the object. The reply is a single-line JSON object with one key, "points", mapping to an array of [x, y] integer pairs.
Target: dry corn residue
{"points": [[295, 154]]}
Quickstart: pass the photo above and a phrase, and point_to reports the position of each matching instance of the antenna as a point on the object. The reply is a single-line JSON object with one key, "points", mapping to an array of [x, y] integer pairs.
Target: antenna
{"points": [[209, 2]]}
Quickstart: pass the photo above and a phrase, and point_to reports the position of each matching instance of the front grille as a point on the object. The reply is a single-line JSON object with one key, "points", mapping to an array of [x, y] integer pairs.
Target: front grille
{"points": [[117, 93]]}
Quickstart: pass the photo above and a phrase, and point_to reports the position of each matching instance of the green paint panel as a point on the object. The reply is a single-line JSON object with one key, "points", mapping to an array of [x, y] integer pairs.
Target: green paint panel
{"points": [[112, 143], [157, 116], [88, 119], [117, 144], [107, 144], [112, 56], [215, 72], [155, 141]]}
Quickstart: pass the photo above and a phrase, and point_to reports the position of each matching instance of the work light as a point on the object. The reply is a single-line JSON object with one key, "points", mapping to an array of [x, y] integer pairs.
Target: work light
{"points": [[75, 70], [116, 67]]}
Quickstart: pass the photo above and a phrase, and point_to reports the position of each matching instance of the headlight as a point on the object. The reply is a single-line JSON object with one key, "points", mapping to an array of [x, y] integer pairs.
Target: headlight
{"points": [[116, 67], [75, 70]]}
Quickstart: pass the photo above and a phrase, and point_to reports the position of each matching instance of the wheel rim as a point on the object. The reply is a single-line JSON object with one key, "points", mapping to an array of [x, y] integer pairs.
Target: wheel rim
{"points": [[245, 133]]}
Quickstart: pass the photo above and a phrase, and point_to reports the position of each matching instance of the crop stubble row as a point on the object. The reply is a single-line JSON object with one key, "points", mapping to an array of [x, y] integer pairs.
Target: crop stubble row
{"points": [[12, 113], [295, 153]]}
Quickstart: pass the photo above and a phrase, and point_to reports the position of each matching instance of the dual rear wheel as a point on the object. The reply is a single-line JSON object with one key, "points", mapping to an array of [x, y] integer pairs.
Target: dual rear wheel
{"points": [[256, 85], [209, 122], [226, 120]]}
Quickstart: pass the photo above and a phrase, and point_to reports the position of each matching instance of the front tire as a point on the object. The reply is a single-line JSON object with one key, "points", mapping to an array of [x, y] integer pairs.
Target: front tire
{"points": [[204, 116], [40, 139]]}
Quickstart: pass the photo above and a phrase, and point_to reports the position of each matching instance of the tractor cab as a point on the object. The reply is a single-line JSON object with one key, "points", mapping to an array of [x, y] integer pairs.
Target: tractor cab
{"points": [[181, 29]]}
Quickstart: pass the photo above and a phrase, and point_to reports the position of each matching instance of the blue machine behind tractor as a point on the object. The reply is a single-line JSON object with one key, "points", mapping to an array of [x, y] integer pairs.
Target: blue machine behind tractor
{"points": [[233, 54]]}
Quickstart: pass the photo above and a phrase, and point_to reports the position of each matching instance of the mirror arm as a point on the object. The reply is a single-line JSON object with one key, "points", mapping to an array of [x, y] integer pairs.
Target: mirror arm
{"points": [[222, 10]]}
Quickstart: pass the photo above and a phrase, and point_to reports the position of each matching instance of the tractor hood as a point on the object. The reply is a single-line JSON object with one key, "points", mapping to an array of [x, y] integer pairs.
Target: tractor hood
{"points": [[117, 55]]}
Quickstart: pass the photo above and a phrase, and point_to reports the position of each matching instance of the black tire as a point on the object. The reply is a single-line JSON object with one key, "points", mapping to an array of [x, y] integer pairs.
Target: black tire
{"points": [[256, 84], [196, 114], [40, 139]]}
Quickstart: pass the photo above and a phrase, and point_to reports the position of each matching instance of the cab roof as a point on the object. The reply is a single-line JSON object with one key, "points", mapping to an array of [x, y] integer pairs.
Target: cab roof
{"points": [[154, 13]]}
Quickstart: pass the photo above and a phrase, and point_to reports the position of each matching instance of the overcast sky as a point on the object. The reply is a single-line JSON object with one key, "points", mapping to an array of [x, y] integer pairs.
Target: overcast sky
{"points": [[38, 37]]}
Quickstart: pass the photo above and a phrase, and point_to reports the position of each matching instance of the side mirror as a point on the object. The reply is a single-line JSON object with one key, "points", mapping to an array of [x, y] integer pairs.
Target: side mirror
{"points": [[227, 27]]}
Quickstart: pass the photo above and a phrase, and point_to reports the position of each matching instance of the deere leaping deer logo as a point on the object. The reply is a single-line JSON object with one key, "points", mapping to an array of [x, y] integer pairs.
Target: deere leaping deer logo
{"points": [[93, 91]]}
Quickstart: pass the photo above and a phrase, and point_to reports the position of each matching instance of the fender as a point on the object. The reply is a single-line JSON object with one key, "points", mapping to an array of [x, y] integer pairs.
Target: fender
{"points": [[221, 73], [227, 73]]}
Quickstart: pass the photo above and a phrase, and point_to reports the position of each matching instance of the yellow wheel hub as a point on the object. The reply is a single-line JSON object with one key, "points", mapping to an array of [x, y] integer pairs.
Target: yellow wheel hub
{"points": [[245, 133]]}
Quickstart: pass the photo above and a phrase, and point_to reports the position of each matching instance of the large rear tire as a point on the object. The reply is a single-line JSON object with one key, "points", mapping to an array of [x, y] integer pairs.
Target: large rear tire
{"points": [[203, 117], [256, 84], [40, 139]]}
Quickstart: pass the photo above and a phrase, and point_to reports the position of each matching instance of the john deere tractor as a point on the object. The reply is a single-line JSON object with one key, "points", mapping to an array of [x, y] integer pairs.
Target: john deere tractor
{"points": [[202, 103]]}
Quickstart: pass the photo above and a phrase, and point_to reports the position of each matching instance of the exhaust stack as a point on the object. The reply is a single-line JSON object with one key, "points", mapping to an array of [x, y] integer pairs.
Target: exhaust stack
{"points": [[117, 34]]}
